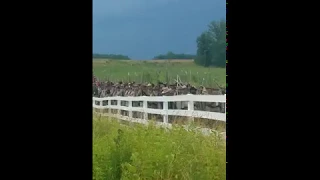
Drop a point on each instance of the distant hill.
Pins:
(171, 55)
(110, 56)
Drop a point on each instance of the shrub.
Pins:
(148, 152)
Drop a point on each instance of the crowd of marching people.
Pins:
(107, 89)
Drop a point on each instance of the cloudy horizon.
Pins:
(142, 29)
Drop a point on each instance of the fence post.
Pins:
(165, 109)
(119, 105)
(130, 109)
(191, 109)
(145, 106)
(93, 101)
(101, 106)
(225, 104)
(93, 104)
(107, 108)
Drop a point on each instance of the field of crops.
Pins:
(141, 152)
(159, 70)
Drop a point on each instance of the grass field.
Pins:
(141, 152)
(154, 70)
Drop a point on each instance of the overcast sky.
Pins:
(143, 29)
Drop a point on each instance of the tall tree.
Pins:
(212, 45)
(217, 32)
(204, 52)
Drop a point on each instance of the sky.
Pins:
(142, 29)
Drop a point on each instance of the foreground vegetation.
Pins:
(159, 70)
(140, 152)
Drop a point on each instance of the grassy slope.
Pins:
(156, 70)
(151, 153)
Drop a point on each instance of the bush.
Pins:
(148, 152)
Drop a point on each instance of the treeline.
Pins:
(211, 45)
(171, 55)
(110, 56)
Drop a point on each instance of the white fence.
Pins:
(190, 112)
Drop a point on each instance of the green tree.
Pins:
(204, 51)
(217, 32)
(110, 56)
(171, 55)
(212, 45)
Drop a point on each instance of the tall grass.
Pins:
(145, 71)
(147, 152)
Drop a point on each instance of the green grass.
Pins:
(141, 152)
(163, 70)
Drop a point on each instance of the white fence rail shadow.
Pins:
(98, 103)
